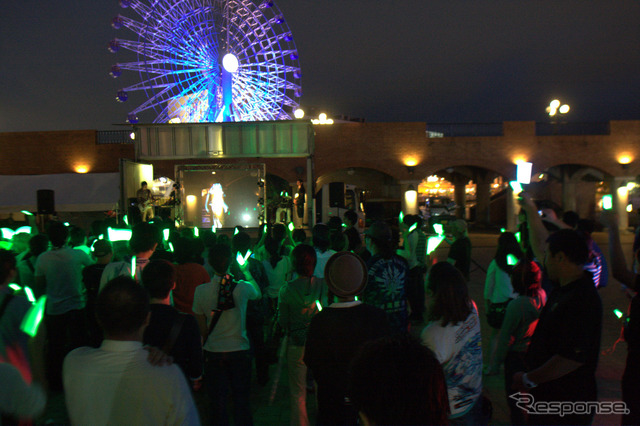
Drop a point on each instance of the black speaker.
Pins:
(46, 202)
(336, 194)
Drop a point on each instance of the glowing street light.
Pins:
(322, 119)
(555, 107)
(298, 113)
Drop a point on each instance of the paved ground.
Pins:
(274, 410)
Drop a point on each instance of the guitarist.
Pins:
(145, 202)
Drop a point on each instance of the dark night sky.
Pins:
(394, 60)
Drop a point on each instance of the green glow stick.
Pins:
(165, 234)
(15, 287)
(26, 212)
(344, 225)
(66, 224)
(30, 295)
(607, 202)
(618, 313)
(236, 231)
(33, 317)
(512, 260)
(243, 259)
(23, 229)
(318, 305)
(400, 217)
(171, 247)
(438, 228)
(7, 233)
(125, 219)
(413, 227)
(101, 237)
(517, 188)
(291, 227)
(433, 243)
(517, 234)
(118, 234)
(196, 232)
(502, 230)
(133, 267)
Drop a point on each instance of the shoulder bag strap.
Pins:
(218, 312)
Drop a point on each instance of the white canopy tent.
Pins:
(73, 192)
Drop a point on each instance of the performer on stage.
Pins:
(175, 200)
(298, 200)
(215, 205)
(145, 202)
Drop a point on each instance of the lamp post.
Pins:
(555, 108)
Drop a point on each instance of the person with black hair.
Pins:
(257, 310)
(189, 273)
(351, 220)
(20, 398)
(102, 252)
(220, 307)
(498, 291)
(397, 381)
(563, 354)
(78, 239)
(631, 321)
(297, 304)
(460, 250)
(337, 333)
(299, 199)
(145, 238)
(453, 334)
(38, 244)
(299, 236)
(321, 240)
(176, 333)
(116, 383)
(145, 202)
(414, 251)
(387, 277)
(517, 328)
(59, 273)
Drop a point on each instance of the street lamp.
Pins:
(555, 107)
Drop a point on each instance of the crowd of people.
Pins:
(133, 328)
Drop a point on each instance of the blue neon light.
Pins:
(180, 45)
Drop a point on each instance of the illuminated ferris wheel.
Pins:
(209, 60)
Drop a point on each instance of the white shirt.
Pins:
(321, 262)
(497, 285)
(122, 268)
(458, 348)
(116, 385)
(62, 269)
(277, 276)
(230, 334)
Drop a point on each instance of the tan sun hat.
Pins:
(345, 274)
